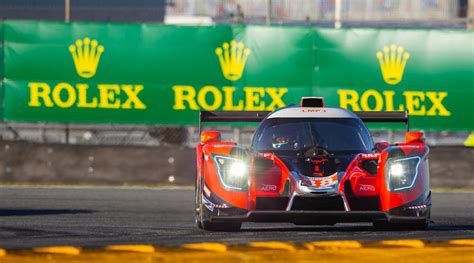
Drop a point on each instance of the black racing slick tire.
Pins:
(197, 198)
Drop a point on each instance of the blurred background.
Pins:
(160, 153)
(328, 13)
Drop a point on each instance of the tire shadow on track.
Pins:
(39, 212)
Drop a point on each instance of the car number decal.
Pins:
(323, 182)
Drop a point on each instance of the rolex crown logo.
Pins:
(392, 63)
(232, 59)
(86, 56)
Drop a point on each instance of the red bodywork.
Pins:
(363, 186)
(270, 182)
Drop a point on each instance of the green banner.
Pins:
(430, 73)
(160, 74)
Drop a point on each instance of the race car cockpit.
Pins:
(335, 135)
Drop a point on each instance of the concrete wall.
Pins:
(450, 167)
(59, 163)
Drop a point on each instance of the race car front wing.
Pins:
(318, 216)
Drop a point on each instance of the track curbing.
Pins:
(131, 248)
(314, 246)
(65, 250)
(462, 242)
(409, 243)
(342, 244)
(207, 246)
(273, 245)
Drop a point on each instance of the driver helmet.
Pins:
(281, 138)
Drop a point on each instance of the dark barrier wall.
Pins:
(2, 69)
(160, 74)
(85, 10)
(86, 164)
(117, 165)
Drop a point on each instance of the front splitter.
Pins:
(317, 216)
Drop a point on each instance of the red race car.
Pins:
(311, 165)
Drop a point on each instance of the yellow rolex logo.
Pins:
(232, 59)
(392, 63)
(86, 56)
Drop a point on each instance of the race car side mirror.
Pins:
(210, 136)
(414, 137)
(380, 146)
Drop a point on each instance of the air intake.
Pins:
(312, 102)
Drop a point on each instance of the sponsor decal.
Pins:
(268, 187)
(232, 58)
(86, 55)
(323, 160)
(323, 182)
(366, 188)
(370, 155)
(393, 60)
(319, 167)
(187, 97)
(313, 110)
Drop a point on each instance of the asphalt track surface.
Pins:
(93, 217)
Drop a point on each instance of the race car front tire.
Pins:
(197, 217)
(202, 215)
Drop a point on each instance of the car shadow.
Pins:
(442, 227)
(364, 228)
(41, 212)
(310, 229)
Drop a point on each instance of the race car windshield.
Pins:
(331, 134)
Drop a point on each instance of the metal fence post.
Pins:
(470, 15)
(268, 16)
(337, 13)
(67, 11)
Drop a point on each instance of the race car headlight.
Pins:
(402, 173)
(232, 172)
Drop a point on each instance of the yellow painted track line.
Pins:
(65, 250)
(216, 247)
